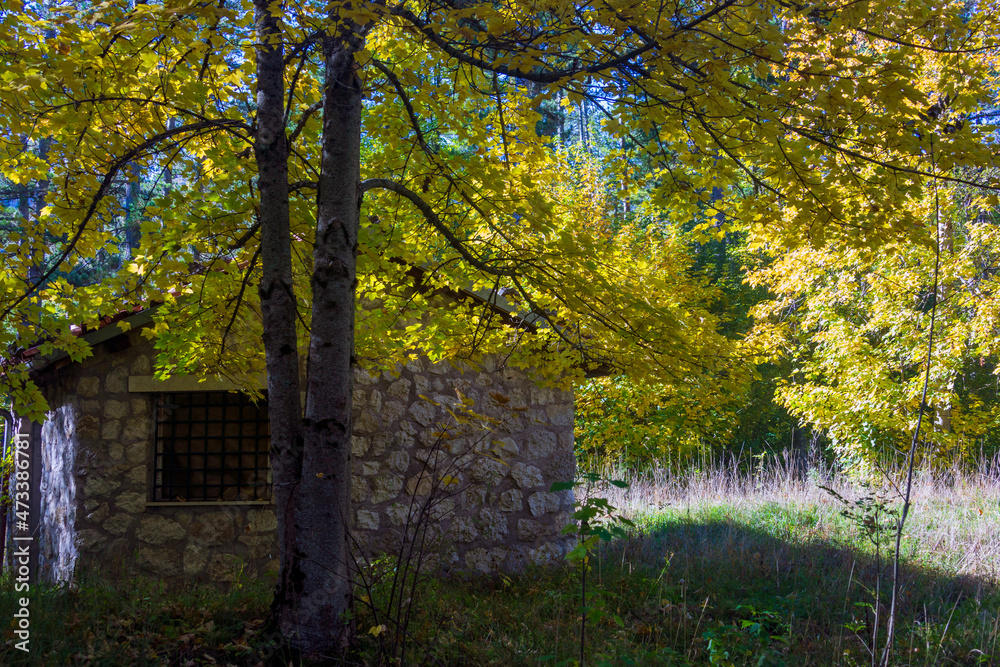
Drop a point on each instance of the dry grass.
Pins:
(954, 521)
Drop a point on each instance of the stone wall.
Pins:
(482, 495)
(484, 487)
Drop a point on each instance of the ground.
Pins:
(721, 569)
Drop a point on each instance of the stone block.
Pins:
(540, 444)
(493, 524)
(463, 529)
(99, 514)
(473, 497)
(363, 377)
(488, 471)
(130, 501)
(111, 429)
(137, 475)
(259, 546)
(358, 400)
(513, 375)
(161, 562)
(90, 406)
(526, 476)
(423, 412)
(141, 366)
(158, 530)
(98, 487)
(116, 381)
(511, 501)
(366, 423)
(116, 451)
(485, 561)
(262, 521)
(136, 451)
(441, 508)
(359, 445)
(505, 448)
(370, 468)
(213, 529)
(419, 485)
(139, 407)
(397, 513)
(367, 520)
(380, 443)
(359, 489)
(119, 524)
(432, 457)
(562, 466)
(400, 389)
(90, 540)
(441, 367)
(560, 414)
(89, 386)
(531, 530)
(136, 428)
(88, 427)
(194, 560)
(542, 395)
(398, 461)
(375, 401)
(118, 553)
(547, 554)
(391, 411)
(565, 437)
(543, 503)
(386, 487)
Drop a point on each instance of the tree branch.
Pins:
(435, 221)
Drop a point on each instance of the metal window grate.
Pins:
(211, 446)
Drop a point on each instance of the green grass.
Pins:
(764, 585)
(767, 573)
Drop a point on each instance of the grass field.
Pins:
(723, 568)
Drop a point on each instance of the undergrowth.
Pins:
(771, 573)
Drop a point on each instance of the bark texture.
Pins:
(278, 309)
(310, 454)
(322, 509)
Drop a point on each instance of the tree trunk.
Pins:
(278, 311)
(310, 455)
(322, 509)
(946, 239)
(131, 232)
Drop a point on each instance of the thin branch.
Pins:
(550, 76)
(435, 221)
(910, 457)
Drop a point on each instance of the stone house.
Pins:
(170, 479)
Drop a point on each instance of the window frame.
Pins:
(165, 492)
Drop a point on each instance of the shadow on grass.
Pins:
(764, 589)
(814, 600)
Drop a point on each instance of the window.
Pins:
(211, 446)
